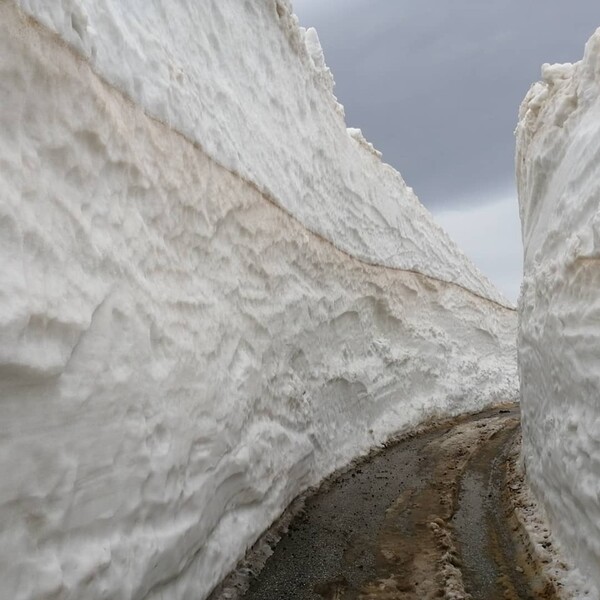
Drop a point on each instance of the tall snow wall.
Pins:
(212, 294)
(558, 171)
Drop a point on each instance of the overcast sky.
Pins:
(436, 86)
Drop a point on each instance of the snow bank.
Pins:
(241, 79)
(558, 168)
(196, 318)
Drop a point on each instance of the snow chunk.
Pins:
(357, 134)
(314, 49)
(556, 72)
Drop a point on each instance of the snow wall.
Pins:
(212, 293)
(558, 170)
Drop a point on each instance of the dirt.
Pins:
(426, 518)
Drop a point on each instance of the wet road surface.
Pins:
(425, 518)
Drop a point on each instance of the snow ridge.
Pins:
(558, 150)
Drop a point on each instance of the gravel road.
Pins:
(424, 518)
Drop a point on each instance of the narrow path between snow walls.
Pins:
(180, 354)
(429, 516)
(558, 170)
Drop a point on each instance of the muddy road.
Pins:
(425, 518)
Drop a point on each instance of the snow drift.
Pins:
(212, 294)
(558, 167)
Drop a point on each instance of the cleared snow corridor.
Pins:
(426, 517)
(214, 295)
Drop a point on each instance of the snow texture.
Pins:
(203, 307)
(558, 163)
(552, 562)
(241, 79)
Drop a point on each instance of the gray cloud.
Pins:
(436, 85)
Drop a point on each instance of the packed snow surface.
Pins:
(212, 294)
(558, 168)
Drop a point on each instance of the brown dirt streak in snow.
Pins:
(83, 60)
